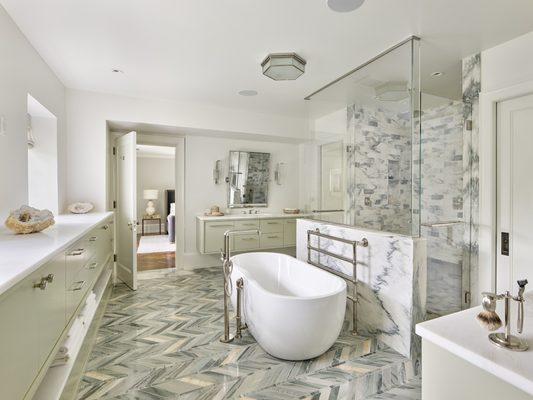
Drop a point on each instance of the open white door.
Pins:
(515, 192)
(126, 208)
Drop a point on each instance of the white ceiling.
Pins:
(206, 51)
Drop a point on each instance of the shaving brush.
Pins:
(488, 318)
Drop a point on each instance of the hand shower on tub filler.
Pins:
(490, 319)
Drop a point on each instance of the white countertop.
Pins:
(235, 217)
(461, 334)
(20, 255)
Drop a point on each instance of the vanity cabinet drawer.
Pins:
(246, 242)
(271, 240)
(214, 235)
(289, 232)
(271, 225)
(247, 224)
(33, 319)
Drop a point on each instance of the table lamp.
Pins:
(150, 195)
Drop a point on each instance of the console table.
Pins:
(151, 218)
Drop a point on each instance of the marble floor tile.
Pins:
(162, 342)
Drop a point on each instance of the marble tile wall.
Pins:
(379, 169)
(391, 275)
(442, 201)
(471, 89)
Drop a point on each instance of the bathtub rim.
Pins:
(253, 282)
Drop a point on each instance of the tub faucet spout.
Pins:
(227, 268)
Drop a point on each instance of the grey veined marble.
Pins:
(391, 275)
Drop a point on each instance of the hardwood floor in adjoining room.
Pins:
(152, 261)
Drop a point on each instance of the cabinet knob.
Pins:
(44, 282)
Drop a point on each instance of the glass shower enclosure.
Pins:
(390, 158)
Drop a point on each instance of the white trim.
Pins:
(487, 179)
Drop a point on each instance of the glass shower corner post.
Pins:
(416, 138)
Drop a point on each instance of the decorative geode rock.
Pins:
(80, 208)
(29, 220)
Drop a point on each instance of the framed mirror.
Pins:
(249, 173)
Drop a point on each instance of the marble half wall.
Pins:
(391, 275)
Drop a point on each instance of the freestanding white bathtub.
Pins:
(295, 311)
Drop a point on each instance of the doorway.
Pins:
(514, 192)
(126, 194)
(156, 208)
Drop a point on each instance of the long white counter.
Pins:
(237, 217)
(20, 255)
(461, 335)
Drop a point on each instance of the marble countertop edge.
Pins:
(514, 378)
(27, 264)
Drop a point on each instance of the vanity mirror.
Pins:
(249, 173)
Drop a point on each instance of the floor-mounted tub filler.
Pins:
(294, 311)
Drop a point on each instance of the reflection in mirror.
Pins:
(249, 173)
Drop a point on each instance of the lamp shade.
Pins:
(150, 194)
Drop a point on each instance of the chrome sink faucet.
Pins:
(227, 268)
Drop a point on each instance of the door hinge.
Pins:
(114, 151)
(114, 204)
(114, 257)
(468, 297)
(505, 243)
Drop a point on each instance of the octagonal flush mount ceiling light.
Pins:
(392, 91)
(344, 5)
(283, 66)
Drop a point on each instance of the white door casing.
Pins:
(126, 208)
(514, 197)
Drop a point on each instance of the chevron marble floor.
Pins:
(161, 342)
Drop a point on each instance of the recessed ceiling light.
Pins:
(248, 93)
(437, 74)
(117, 71)
(345, 5)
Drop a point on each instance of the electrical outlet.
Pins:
(3, 126)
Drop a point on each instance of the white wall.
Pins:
(88, 113)
(42, 165)
(202, 193)
(154, 173)
(22, 71)
(508, 64)
(507, 72)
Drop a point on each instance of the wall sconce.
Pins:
(216, 172)
(279, 173)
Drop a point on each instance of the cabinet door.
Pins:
(289, 232)
(271, 225)
(271, 240)
(214, 236)
(246, 242)
(32, 321)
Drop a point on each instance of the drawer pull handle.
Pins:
(248, 239)
(105, 227)
(273, 237)
(273, 223)
(78, 285)
(93, 239)
(221, 226)
(92, 265)
(77, 252)
(44, 282)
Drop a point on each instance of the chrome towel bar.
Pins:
(351, 260)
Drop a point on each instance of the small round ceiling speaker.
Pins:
(345, 5)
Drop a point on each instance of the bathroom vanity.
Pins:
(277, 231)
(459, 361)
(44, 280)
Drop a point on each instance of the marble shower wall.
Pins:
(442, 201)
(391, 275)
(379, 169)
(471, 89)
